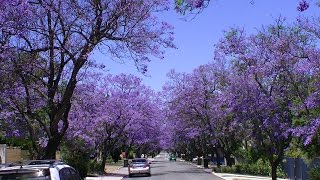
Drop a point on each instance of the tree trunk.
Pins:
(229, 160)
(105, 154)
(274, 170)
(217, 156)
(103, 162)
(274, 162)
(138, 153)
(127, 150)
(51, 149)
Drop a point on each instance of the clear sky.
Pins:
(195, 38)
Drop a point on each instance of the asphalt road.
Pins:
(163, 169)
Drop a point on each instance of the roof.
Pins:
(32, 164)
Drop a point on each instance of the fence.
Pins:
(297, 168)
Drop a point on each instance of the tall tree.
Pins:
(269, 89)
(119, 113)
(196, 6)
(61, 35)
(196, 101)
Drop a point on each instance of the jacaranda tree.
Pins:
(196, 101)
(119, 113)
(60, 36)
(196, 6)
(270, 86)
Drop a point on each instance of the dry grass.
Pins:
(111, 168)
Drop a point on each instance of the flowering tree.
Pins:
(270, 85)
(262, 87)
(183, 6)
(197, 102)
(307, 91)
(60, 36)
(18, 74)
(196, 6)
(118, 113)
(14, 16)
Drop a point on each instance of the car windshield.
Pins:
(34, 175)
(139, 161)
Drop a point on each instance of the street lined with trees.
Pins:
(48, 50)
(258, 100)
(261, 92)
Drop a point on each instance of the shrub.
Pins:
(78, 160)
(94, 167)
(109, 160)
(314, 173)
(260, 168)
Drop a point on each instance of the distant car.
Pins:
(39, 170)
(172, 157)
(139, 166)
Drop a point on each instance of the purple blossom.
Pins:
(43, 141)
(303, 5)
(198, 3)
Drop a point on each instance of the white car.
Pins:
(39, 170)
(139, 166)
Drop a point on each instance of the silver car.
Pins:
(38, 170)
(139, 166)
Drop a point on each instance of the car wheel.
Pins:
(130, 175)
(149, 174)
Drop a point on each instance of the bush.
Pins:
(260, 168)
(76, 157)
(314, 173)
(109, 160)
(78, 160)
(94, 167)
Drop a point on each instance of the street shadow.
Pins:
(156, 162)
(158, 166)
(137, 176)
(143, 175)
(191, 171)
(158, 174)
(115, 175)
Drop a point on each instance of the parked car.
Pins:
(172, 157)
(39, 170)
(139, 166)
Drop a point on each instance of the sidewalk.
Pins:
(242, 177)
(113, 173)
(227, 176)
(111, 168)
(208, 170)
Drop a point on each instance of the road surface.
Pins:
(163, 169)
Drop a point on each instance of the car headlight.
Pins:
(40, 173)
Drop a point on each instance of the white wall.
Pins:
(3, 153)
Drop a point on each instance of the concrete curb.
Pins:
(228, 176)
(193, 164)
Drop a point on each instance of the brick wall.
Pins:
(25, 155)
(13, 154)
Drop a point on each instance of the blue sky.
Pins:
(195, 39)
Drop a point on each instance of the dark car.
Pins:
(172, 157)
(39, 170)
(139, 166)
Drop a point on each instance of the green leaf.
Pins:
(179, 2)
